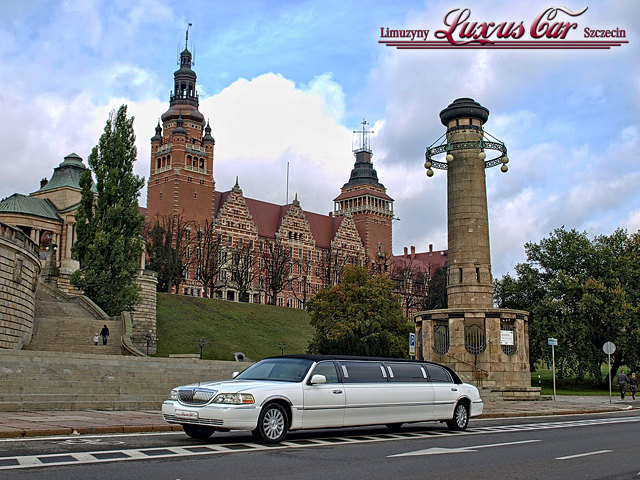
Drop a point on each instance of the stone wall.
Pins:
(144, 315)
(491, 368)
(19, 271)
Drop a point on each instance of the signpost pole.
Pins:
(553, 359)
(609, 361)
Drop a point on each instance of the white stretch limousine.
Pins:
(296, 392)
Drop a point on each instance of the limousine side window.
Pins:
(406, 372)
(363, 372)
(328, 369)
(438, 374)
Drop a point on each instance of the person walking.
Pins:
(104, 333)
(633, 385)
(96, 339)
(622, 383)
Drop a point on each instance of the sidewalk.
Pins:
(42, 423)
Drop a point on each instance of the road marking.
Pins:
(568, 457)
(441, 450)
(236, 445)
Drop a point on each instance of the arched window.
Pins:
(188, 160)
(168, 160)
(202, 163)
(183, 89)
(158, 166)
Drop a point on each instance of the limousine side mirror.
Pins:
(318, 379)
(235, 374)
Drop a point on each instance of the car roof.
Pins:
(318, 358)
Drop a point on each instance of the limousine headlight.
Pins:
(174, 394)
(234, 398)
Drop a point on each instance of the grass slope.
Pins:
(228, 327)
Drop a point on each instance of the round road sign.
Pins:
(609, 348)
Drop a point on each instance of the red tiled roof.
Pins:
(362, 191)
(266, 216)
(323, 227)
(436, 258)
(143, 211)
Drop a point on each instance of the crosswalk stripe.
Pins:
(77, 458)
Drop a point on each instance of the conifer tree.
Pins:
(109, 222)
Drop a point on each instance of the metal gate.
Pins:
(475, 339)
(441, 337)
(508, 325)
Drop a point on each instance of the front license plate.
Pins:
(186, 414)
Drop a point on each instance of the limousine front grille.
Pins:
(201, 421)
(196, 397)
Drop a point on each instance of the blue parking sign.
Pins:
(412, 344)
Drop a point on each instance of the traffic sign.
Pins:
(412, 344)
(553, 341)
(609, 348)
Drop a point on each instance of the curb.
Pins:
(553, 412)
(46, 432)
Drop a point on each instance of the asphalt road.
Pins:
(589, 447)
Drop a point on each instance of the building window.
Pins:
(160, 195)
(195, 194)
(230, 240)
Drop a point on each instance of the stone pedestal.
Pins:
(144, 315)
(67, 267)
(469, 341)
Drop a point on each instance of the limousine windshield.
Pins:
(277, 370)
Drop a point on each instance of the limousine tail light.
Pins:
(234, 398)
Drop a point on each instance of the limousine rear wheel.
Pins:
(273, 424)
(198, 431)
(460, 418)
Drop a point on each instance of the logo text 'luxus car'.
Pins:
(296, 392)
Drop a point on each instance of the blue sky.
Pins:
(288, 81)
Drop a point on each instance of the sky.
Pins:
(290, 81)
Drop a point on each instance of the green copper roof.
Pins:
(67, 174)
(39, 207)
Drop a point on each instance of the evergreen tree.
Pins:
(359, 316)
(109, 223)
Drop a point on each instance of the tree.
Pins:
(411, 281)
(109, 223)
(275, 268)
(209, 257)
(243, 269)
(359, 316)
(170, 243)
(436, 297)
(584, 292)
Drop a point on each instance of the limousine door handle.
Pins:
(337, 392)
(454, 389)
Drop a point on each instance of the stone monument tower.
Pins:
(486, 345)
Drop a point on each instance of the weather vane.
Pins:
(186, 42)
(364, 137)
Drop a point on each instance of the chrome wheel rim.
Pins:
(461, 416)
(273, 423)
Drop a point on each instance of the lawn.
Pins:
(570, 386)
(228, 327)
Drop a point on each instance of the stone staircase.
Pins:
(68, 324)
(497, 394)
(47, 380)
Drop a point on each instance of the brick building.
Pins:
(181, 183)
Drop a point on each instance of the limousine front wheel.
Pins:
(460, 418)
(272, 424)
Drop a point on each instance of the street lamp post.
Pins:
(282, 346)
(202, 342)
(147, 337)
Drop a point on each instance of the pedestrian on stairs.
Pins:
(96, 339)
(104, 333)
